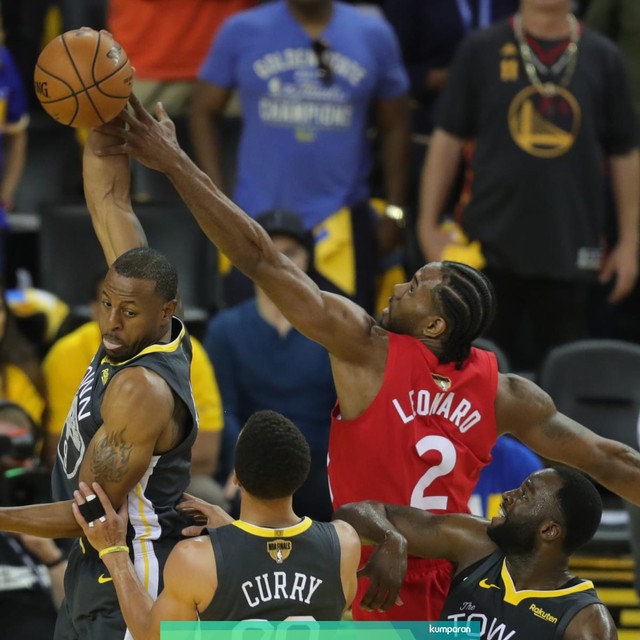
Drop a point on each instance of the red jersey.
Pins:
(422, 442)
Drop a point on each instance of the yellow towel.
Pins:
(334, 254)
(460, 249)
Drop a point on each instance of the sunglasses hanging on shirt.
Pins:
(322, 53)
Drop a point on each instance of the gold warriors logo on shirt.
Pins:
(279, 550)
(104, 376)
(545, 126)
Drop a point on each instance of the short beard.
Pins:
(513, 539)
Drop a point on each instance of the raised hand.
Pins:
(150, 140)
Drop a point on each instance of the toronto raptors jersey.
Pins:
(485, 593)
(421, 442)
(425, 437)
(273, 574)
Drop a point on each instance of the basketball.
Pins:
(83, 78)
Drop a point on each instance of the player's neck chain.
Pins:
(565, 64)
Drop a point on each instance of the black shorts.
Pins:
(90, 610)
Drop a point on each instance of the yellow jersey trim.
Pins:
(266, 532)
(168, 347)
(515, 597)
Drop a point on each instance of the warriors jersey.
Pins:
(275, 574)
(152, 513)
(421, 442)
(485, 593)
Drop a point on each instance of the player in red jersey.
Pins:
(418, 408)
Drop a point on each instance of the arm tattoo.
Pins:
(111, 457)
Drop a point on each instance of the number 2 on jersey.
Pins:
(448, 453)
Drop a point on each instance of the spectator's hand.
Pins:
(108, 531)
(622, 263)
(205, 514)
(385, 569)
(433, 242)
(389, 236)
(43, 548)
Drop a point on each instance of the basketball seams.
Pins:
(108, 77)
(73, 62)
(95, 59)
(84, 87)
(72, 93)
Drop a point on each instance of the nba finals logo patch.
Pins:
(104, 376)
(443, 382)
(279, 550)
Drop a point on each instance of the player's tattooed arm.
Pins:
(111, 456)
(137, 413)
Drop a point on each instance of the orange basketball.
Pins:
(83, 78)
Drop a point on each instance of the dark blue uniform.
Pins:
(275, 574)
(485, 592)
(91, 610)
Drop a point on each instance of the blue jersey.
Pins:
(304, 145)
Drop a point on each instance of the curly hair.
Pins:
(272, 456)
(468, 303)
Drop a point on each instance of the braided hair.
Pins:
(468, 304)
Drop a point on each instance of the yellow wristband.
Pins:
(107, 550)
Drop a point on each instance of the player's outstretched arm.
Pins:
(349, 559)
(50, 520)
(526, 411)
(107, 182)
(397, 530)
(333, 321)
